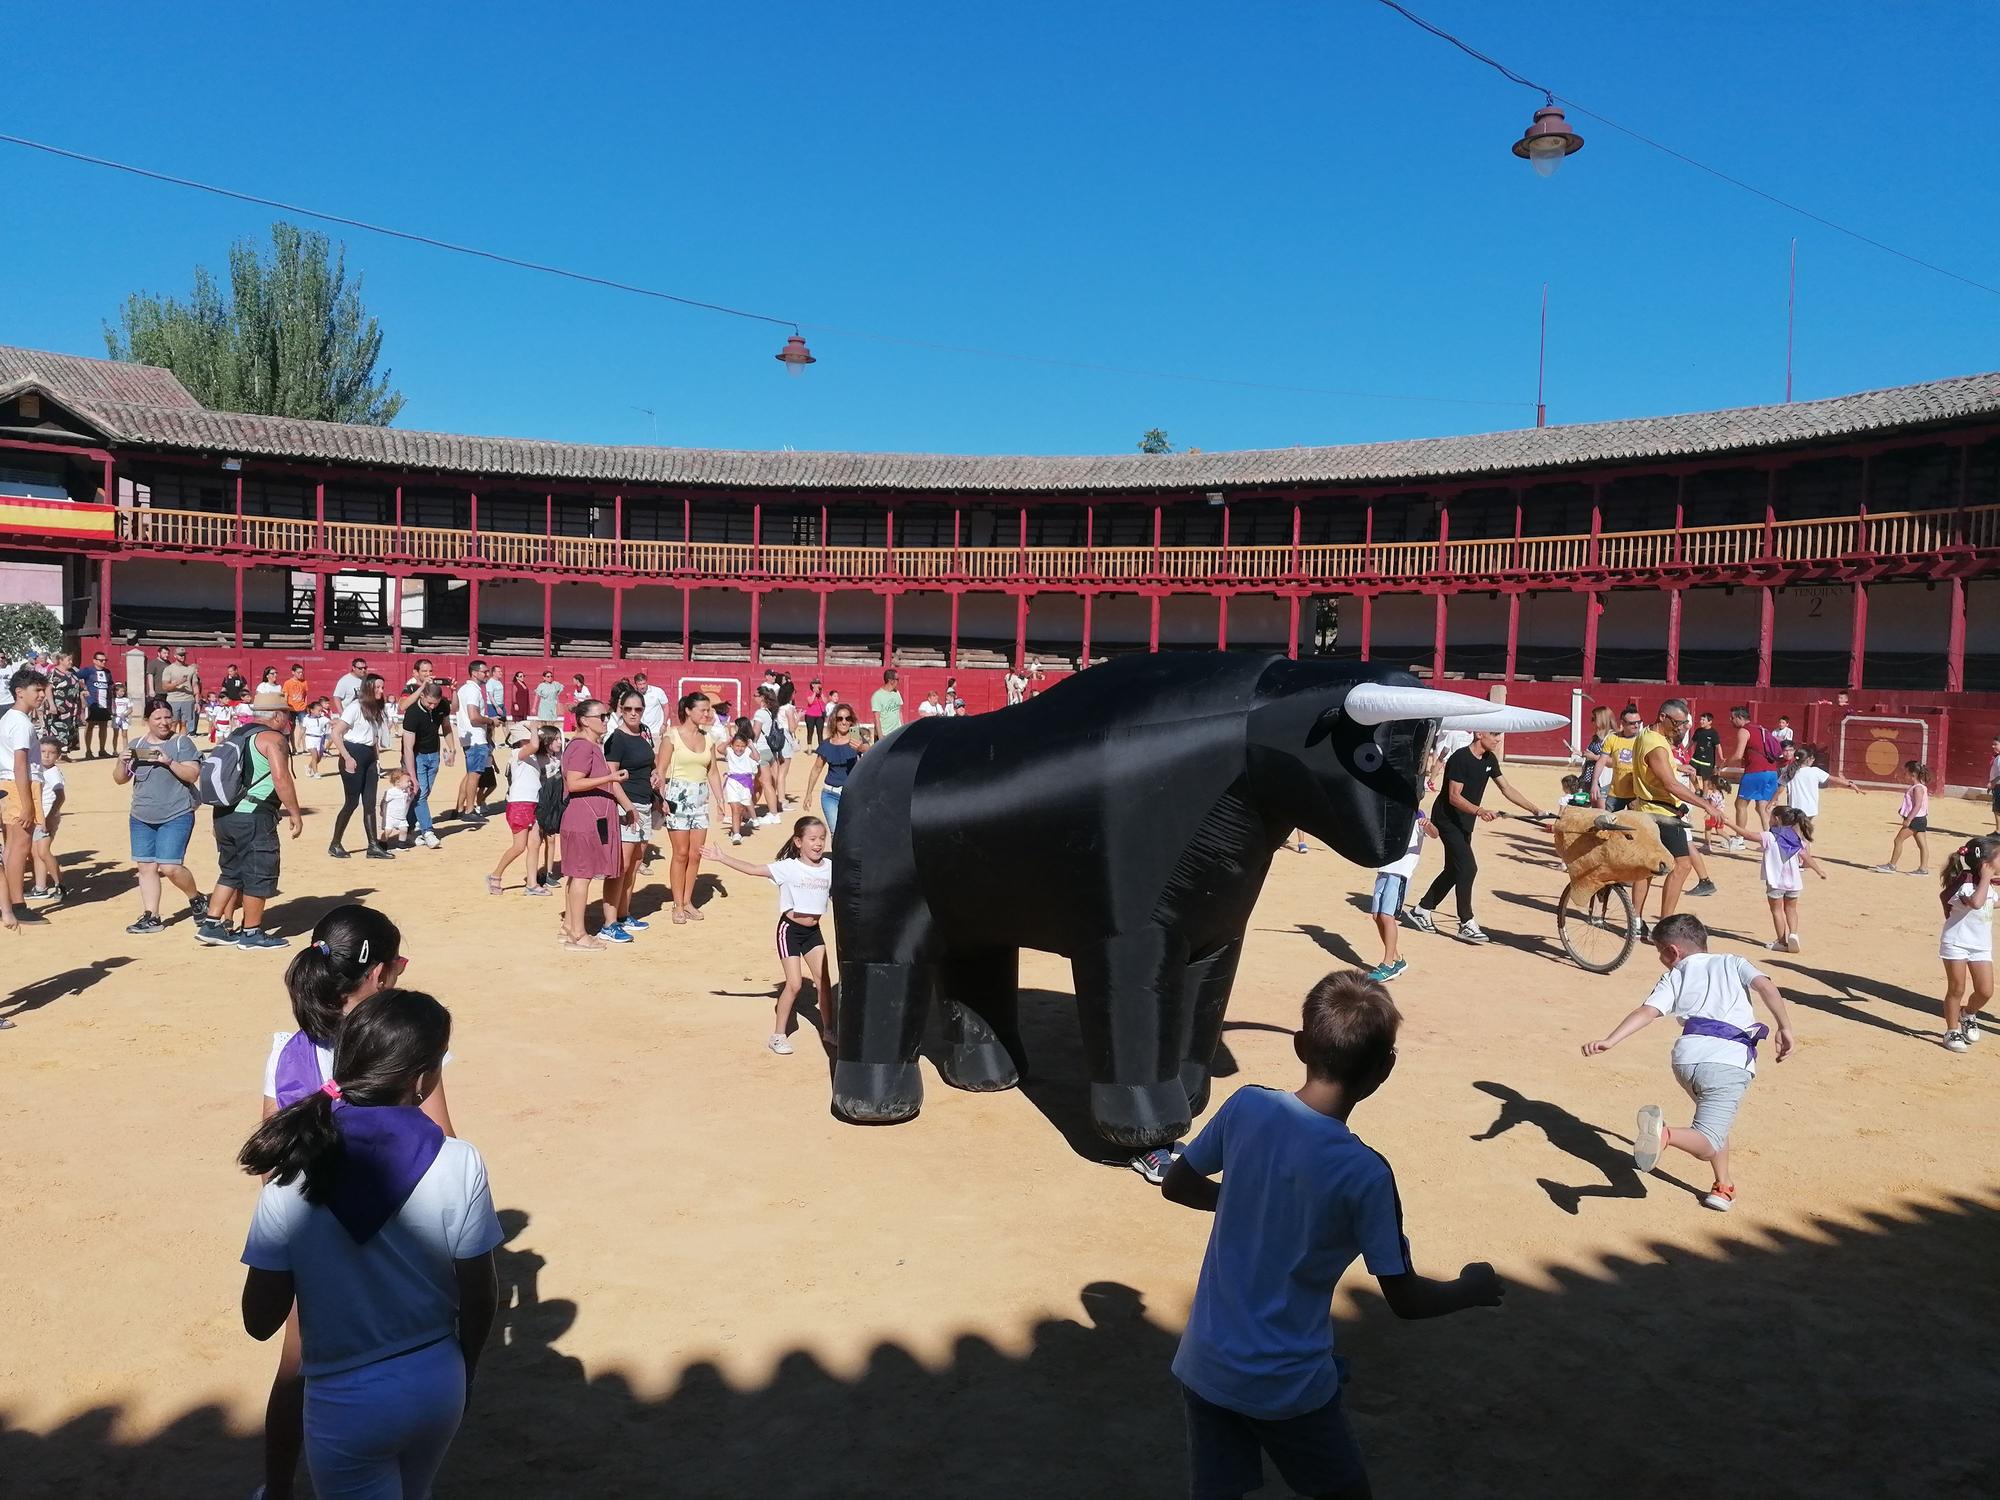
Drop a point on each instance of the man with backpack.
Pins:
(246, 779)
(1759, 753)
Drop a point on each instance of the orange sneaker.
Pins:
(1719, 1197)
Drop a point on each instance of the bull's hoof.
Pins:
(1194, 1080)
(877, 1093)
(983, 1068)
(1140, 1116)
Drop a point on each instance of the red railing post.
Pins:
(888, 556)
(400, 546)
(756, 536)
(1367, 556)
(1444, 540)
(1596, 529)
(473, 545)
(1680, 517)
(618, 529)
(1021, 547)
(1517, 554)
(1226, 570)
(549, 530)
(1298, 567)
(236, 533)
(319, 516)
(1089, 556)
(1674, 635)
(1156, 572)
(1770, 518)
(1088, 598)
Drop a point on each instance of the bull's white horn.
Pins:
(1505, 720)
(1386, 702)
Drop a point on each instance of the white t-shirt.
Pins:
(17, 732)
(362, 730)
(1993, 772)
(1449, 741)
(1804, 788)
(929, 709)
(314, 726)
(51, 778)
(471, 699)
(395, 1292)
(1780, 874)
(1782, 734)
(655, 716)
(525, 778)
(1716, 985)
(347, 689)
(1407, 865)
(395, 808)
(1968, 929)
(803, 888)
(1016, 686)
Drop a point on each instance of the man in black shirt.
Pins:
(234, 688)
(1706, 741)
(426, 745)
(1466, 775)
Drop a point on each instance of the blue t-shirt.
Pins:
(1301, 1198)
(839, 760)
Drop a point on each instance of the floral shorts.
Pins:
(686, 805)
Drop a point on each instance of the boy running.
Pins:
(1301, 1197)
(1716, 1055)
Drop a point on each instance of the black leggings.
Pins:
(1461, 868)
(814, 723)
(359, 785)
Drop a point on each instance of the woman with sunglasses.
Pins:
(355, 951)
(693, 785)
(833, 759)
(630, 749)
(597, 803)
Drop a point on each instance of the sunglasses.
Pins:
(600, 714)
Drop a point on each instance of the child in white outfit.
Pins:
(1969, 894)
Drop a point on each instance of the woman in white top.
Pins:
(1970, 891)
(804, 877)
(366, 731)
(379, 1228)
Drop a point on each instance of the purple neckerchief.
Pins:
(1706, 1026)
(298, 1070)
(1788, 841)
(385, 1150)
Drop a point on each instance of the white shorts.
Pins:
(735, 794)
(392, 829)
(635, 832)
(1965, 954)
(1772, 893)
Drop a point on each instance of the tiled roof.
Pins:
(92, 380)
(182, 424)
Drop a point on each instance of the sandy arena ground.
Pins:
(712, 1288)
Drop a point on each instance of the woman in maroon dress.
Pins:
(590, 823)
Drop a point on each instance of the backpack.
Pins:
(225, 770)
(551, 801)
(774, 737)
(1774, 748)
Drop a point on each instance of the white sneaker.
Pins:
(1470, 932)
(1954, 1041)
(1419, 919)
(1736, 845)
(735, 838)
(779, 1045)
(429, 840)
(1969, 1024)
(1791, 942)
(1647, 1138)
(1718, 1200)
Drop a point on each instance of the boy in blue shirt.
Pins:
(1301, 1197)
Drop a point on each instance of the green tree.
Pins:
(1155, 441)
(290, 340)
(27, 627)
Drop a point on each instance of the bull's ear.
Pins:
(1322, 727)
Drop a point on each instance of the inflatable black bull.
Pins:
(1126, 819)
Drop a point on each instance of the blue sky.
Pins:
(1306, 194)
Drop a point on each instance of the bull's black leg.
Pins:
(881, 1023)
(982, 1038)
(1132, 1002)
(1209, 980)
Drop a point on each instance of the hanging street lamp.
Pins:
(1544, 144)
(795, 356)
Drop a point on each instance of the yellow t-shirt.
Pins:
(1619, 748)
(1648, 796)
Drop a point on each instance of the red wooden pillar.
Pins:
(1021, 547)
(1438, 636)
(1367, 623)
(474, 514)
(1222, 622)
(1770, 524)
(399, 515)
(618, 530)
(1088, 600)
(319, 610)
(1592, 608)
(1292, 614)
(1444, 543)
(822, 540)
(756, 539)
(1226, 573)
(617, 621)
(1020, 628)
(1767, 614)
(1954, 640)
(1513, 633)
(1674, 599)
(104, 606)
(957, 555)
(236, 535)
(548, 619)
(888, 631)
(1156, 562)
(472, 617)
(1857, 641)
(1297, 568)
(1680, 517)
(1515, 560)
(1089, 557)
(756, 600)
(396, 615)
(1596, 528)
(319, 516)
(822, 628)
(1153, 625)
(238, 571)
(951, 646)
(889, 546)
(687, 622)
(1368, 545)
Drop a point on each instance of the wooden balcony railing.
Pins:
(359, 544)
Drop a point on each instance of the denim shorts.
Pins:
(162, 843)
(1315, 1453)
(1389, 893)
(478, 757)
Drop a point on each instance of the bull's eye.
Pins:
(1367, 757)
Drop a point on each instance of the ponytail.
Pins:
(347, 943)
(1921, 771)
(790, 850)
(1963, 865)
(390, 1041)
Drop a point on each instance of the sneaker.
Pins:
(1152, 1165)
(147, 923)
(37, 893)
(1776, 945)
(213, 934)
(376, 851)
(1884, 869)
(1471, 932)
(1383, 973)
(779, 1045)
(1702, 888)
(251, 939)
(611, 932)
(534, 890)
(1419, 919)
(1648, 1138)
(1920, 870)
(198, 906)
(1735, 845)
(735, 838)
(1791, 942)
(1645, 932)
(429, 840)
(1719, 1197)
(1968, 1025)
(1302, 847)
(334, 851)
(1954, 1041)
(634, 924)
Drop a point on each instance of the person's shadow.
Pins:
(1589, 1144)
(60, 986)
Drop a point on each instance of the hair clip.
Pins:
(331, 1090)
(323, 947)
(364, 952)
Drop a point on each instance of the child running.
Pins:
(739, 781)
(1300, 1198)
(1715, 1057)
(54, 793)
(1915, 813)
(534, 756)
(355, 952)
(1392, 888)
(804, 877)
(379, 1228)
(1971, 891)
(1787, 856)
(399, 787)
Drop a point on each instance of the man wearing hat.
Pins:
(246, 832)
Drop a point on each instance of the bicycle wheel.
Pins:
(1598, 930)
